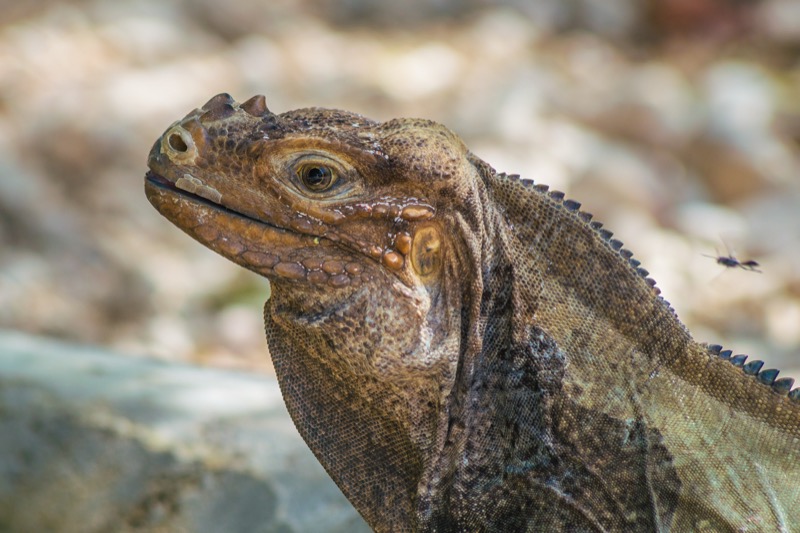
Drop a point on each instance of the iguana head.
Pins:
(334, 209)
(360, 228)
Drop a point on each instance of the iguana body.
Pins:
(465, 351)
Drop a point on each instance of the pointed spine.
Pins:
(738, 360)
(767, 377)
(753, 367)
(783, 385)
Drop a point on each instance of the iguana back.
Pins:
(465, 351)
(718, 441)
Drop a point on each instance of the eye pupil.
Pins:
(317, 178)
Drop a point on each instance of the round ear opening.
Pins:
(426, 252)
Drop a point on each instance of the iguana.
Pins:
(464, 350)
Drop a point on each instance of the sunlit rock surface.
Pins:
(94, 442)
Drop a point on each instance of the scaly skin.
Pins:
(464, 351)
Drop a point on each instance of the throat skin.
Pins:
(351, 402)
(463, 350)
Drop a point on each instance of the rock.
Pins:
(91, 441)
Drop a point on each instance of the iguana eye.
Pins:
(316, 177)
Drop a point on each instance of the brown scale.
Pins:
(392, 260)
(402, 243)
(414, 213)
(290, 270)
(333, 267)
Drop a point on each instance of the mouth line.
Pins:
(159, 181)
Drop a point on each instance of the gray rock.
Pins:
(91, 441)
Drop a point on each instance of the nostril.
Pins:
(177, 143)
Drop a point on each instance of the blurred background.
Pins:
(676, 122)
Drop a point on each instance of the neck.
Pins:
(511, 426)
(384, 395)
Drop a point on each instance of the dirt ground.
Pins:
(676, 122)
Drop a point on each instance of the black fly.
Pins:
(731, 262)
